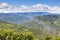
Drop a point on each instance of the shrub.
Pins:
(6, 34)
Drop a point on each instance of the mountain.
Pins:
(46, 23)
(41, 24)
(43, 21)
(20, 17)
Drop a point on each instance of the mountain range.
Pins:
(40, 23)
(20, 17)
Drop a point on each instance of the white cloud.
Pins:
(6, 8)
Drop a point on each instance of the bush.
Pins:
(6, 34)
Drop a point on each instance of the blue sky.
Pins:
(7, 6)
(32, 2)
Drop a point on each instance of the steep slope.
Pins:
(40, 25)
(47, 23)
(52, 20)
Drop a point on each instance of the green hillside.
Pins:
(18, 28)
(45, 27)
(47, 24)
(14, 27)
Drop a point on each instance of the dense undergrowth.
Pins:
(7, 34)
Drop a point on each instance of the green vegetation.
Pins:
(9, 34)
(6, 34)
(40, 28)
(16, 29)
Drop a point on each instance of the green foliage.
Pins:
(6, 34)
(52, 38)
(48, 38)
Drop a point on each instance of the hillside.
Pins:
(19, 28)
(47, 23)
(41, 25)
(40, 34)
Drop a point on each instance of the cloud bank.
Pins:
(6, 8)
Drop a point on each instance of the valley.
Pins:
(40, 24)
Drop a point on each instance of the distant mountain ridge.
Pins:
(20, 17)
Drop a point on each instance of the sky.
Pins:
(7, 6)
